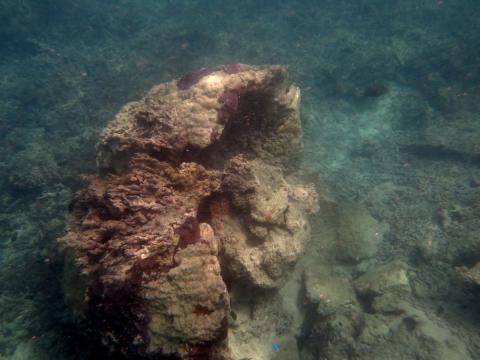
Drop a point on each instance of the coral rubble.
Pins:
(196, 192)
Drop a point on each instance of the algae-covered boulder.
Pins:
(196, 189)
(358, 234)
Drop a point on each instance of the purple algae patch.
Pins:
(229, 100)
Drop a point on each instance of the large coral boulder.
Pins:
(266, 233)
(196, 189)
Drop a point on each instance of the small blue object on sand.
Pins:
(275, 346)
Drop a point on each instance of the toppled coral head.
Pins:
(199, 173)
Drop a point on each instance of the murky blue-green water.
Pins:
(391, 116)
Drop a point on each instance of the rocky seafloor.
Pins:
(390, 94)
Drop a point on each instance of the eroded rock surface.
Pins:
(264, 235)
(373, 318)
(197, 189)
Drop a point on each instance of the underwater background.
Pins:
(391, 117)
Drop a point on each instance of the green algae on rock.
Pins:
(187, 175)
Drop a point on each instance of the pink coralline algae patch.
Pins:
(190, 79)
(229, 100)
